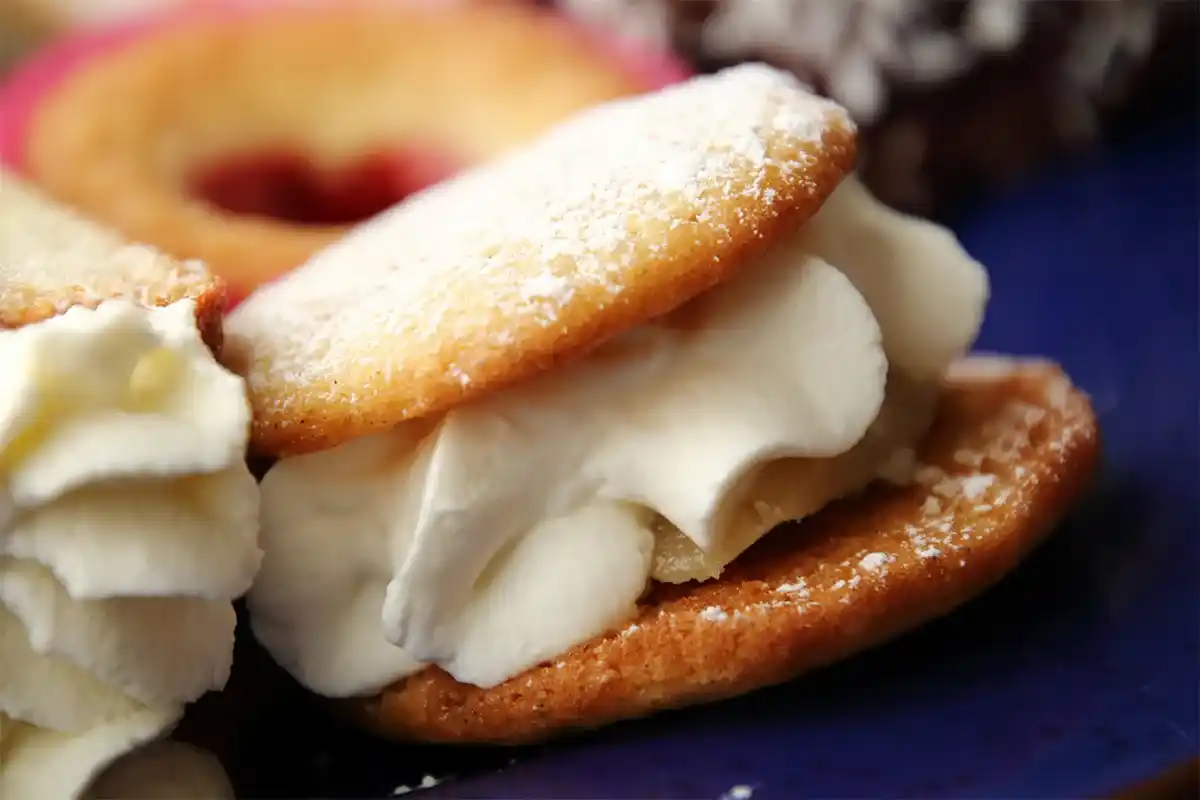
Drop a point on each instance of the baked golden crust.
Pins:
(373, 76)
(615, 217)
(52, 259)
(1013, 447)
(20, 306)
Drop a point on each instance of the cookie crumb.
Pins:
(873, 562)
(800, 588)
(427, 782)
(973, 486)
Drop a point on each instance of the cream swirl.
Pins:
(128, 524)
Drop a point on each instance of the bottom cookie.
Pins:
(1013, 447)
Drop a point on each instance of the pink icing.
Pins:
(39, 75)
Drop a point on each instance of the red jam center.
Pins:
(289, 187)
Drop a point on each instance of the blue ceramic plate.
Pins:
(1076, 676)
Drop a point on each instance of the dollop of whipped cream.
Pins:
(163, 770)
(128, 525)
(118, 760)
(507, 531)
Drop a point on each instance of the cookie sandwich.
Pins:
(542, 431)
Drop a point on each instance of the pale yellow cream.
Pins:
(128, 525)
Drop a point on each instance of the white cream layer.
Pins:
(128, 525)
(117, 760)
(507, 531)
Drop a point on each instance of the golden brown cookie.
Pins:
(615, 217)
(52, 259)
(1013, 446)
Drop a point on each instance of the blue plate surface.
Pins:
(1076, 676)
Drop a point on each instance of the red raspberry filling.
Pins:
(288, 186)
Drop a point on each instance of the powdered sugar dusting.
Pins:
(458, 273)
(994, 478)
(799, 588)
(547, 286)
(875, 562)
(974, 486)
(52, 257)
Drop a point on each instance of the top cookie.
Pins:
(51, 259)
(617, 216)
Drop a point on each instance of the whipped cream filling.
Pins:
(128, 525)
(507, 531)
(47, 764)
(163, 770)
(118, 760)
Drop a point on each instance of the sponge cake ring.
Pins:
(212, 154)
